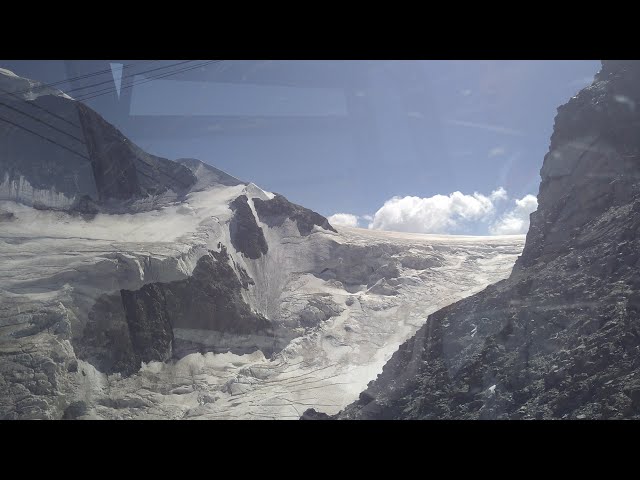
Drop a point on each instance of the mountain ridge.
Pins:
(139, 287)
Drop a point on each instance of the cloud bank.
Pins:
(517, 219)
(344, 219)
(456, 213)
(452, 213)
(498, 194)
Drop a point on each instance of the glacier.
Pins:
(134, 286)
(55, 260)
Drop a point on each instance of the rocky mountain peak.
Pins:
(63, 155)
(25, 88)
(593, 161)
(184, 292)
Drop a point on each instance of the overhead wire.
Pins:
(146, 80)
(68, 80)
(39, 107)
(42, 121)
(43, 137)
(91, 94)
(79, 77)
(84, 87)
(76, 138)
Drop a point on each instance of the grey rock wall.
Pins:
(560, 338)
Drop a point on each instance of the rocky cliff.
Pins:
(560, 338)
(60, 154)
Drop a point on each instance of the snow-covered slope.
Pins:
(208, 175)
(12, 84)
(336, 328)
(222, 301)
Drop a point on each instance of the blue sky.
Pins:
(348, 136)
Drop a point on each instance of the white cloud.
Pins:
(449, 214)
(344, 219)
(496, 152)
(516, 220)
(415, 114)
(498, 194)
(454, 213)
(466, 92)
(437, 214)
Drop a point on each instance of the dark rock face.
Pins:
(75, 410)
(311, 414)
(592, 164)
(274, 212)
(122, 170)
(211, 299)
(244, 277)
(59, 168)
(91, 160)
(561, 337)
(319, 309)
(106, 340)
(6, 216)
(138, 326)
(85, 205)
(208, 175)
(114, 171)
(149, 322)
(247, 236)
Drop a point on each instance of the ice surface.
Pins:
(317, 287)
(20, 189)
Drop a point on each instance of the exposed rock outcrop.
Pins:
(64, 152)
(274, 212)
(246, 235)
(382, 287)
(560, 338)
(138, 326)
(122, 170)
(6, 216)
(208, 175)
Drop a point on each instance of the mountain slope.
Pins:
(146, 288)
(560, 338)
(208, 175)
(86, 164)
